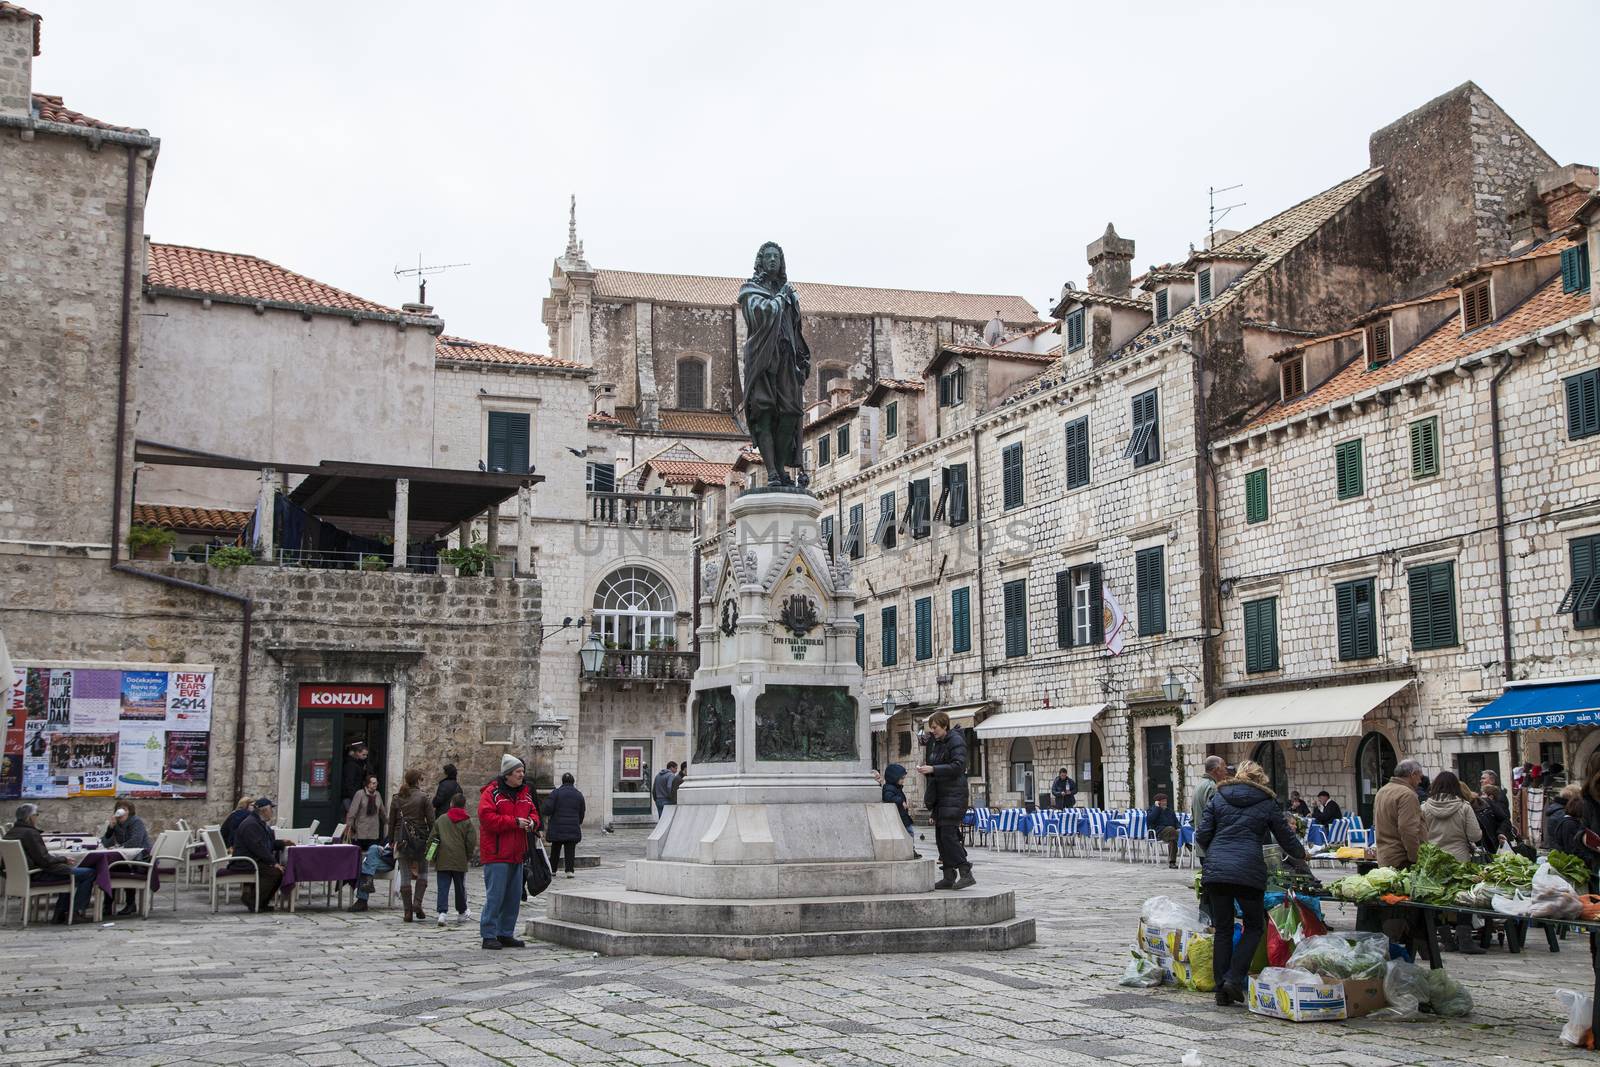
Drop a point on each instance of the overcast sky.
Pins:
(976, 147)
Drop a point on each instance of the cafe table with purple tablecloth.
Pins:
(318, 863)
(100, 861)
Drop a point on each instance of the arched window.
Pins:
(634, 606)
(1270, 755)
(1375, 761)
(1022, 767)
(691, 383)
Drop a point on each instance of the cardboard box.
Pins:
(1324, 1000)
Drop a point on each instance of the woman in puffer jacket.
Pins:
(1232, 830)
(1453, 825)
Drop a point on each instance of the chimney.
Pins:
(1562, 191)
(1218, 237)
(19, 43)
(605, 399)
(839, 393)
(1110, 261)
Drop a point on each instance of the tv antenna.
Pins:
(422, 274)
(1218, 214)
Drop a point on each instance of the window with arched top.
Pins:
(633, 607)
(691, 383)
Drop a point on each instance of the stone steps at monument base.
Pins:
(625, 911)
(774, 881)
(993, 937)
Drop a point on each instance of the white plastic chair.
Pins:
(17, 883)
(338, 833)
(217, 868)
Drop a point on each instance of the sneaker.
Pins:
(463, 916)
(493, 942)
(442, 919)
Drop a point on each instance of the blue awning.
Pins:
(1539, 707)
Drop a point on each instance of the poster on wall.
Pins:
(84, 765)
(96, 701)
(144, 696)
(87, 730)
(632, 763)
(187, 763)
(141, 754)
(189, 701)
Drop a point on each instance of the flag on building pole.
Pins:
(1112, 619)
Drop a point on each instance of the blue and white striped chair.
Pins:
(1357, 834)
(983, 825)
(1187, 855)
(1007, 824)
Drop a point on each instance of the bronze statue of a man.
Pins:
(776, 365)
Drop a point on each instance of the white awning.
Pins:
(1330, 711)
(1041, 722)
(880, 722)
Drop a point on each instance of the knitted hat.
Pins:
(508, 763)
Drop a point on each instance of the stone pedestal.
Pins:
(780, 843)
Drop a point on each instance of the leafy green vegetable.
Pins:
(1571, 868)
(1438, 877)
(1510, 869)
(1383, 879)
(1353, 887)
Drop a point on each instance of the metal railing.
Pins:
(648, 510)
(320, 559)
(645, 665)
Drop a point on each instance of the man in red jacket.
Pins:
(507, 816)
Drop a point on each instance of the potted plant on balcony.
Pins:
(150, 542)
(669, 643)
(374, 563)
(230, 556)
(469, 562)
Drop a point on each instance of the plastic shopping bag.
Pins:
(1580, 1009)
(1141, 972)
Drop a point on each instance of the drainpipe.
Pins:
(1506, 652)
(975, 503)
(124, 358)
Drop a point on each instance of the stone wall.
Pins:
(458, 653)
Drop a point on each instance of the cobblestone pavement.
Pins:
(329, 988)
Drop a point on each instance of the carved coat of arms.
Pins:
(799, 614)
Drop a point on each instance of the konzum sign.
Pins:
(344, 697)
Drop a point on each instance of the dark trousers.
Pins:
(1230, 966)
(270, 878)
(446, 879)
(1170, 835)
(556, 848)
(952, 853)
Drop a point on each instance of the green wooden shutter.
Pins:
(824, 450)
(499, 435)
(891, 640)
(1347, 468)
(1097, 606)
(891, 420)
(1575, 269)
(1077, 453)
(1433, 605)
(825, 530)
(1425, 448)
(508, 442)
(1255, 496)
(1203, 285)
(1261, 635)
(1583, 404)
(1152, 592)
(861, 641)
(1365, 618)
(1075, 330)
(958, 494)
(1011, 475)
(961, 620)
(1016, 616)
(923, 610)
(1063, 609)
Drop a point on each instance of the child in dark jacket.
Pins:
(893, 775)
(452, 845)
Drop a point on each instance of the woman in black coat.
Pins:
(945, 768)
(1232, 830)
(448, 787)
(564, 809)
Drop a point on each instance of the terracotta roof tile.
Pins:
(815, 297)
(462, 350)
(902, 385)
(688, 423)
(1550, 247)
(1089, 296)
(203, 272)
(9, 10)
(1273, 239)
(1446, 344)
(690, 472)
(51, 109)
(597, 419)
(192, 520)
(998, 353)
(834, 414)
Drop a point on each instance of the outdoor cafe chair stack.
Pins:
(17, 883)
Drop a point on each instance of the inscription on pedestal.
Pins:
(806, 722)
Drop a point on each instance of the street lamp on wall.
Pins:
(1172, 686)
(592, 655)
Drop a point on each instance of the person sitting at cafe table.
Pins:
(378, 859)
(125, 830)
(254, 840)
(1163, 822)
(1325, 812)
(230, 825)
(51, 870)
(1064, 791)
(1298, 805)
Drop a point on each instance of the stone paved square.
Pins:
(326, 989)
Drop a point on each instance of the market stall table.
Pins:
(319, 863)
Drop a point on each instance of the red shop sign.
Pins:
(344, 697)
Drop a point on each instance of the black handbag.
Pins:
(536, 873)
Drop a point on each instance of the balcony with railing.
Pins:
(650, 511)
(627, 666)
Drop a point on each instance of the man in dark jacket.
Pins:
(661, 788)
(1325, 812)
(230, 825)
(51, 870)
(448, 787)
(1163, 822)
(564, 810)
(356, 768)
(253, 840)
(945, 768)
(1064, 790)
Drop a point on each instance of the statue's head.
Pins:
(770, 264)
